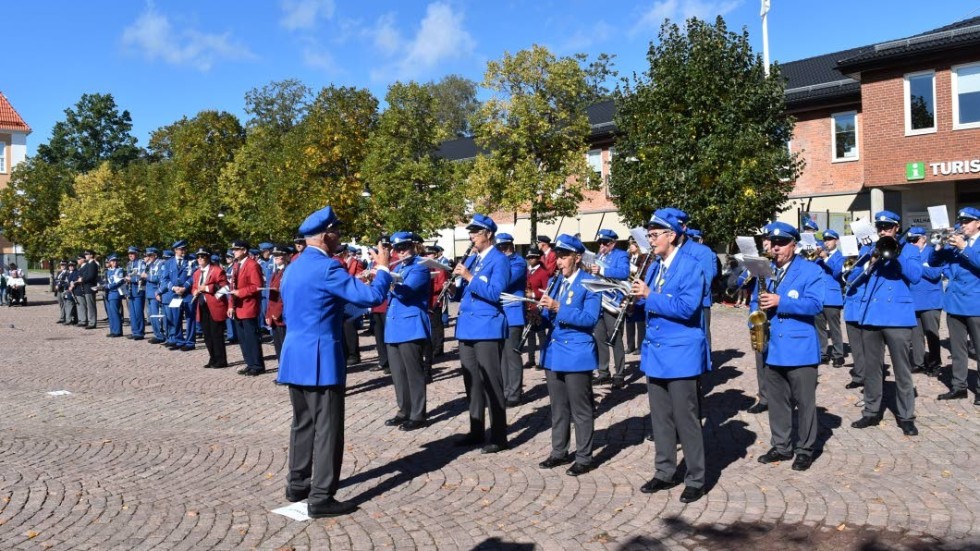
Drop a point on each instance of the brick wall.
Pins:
(887, 149)
(812, 138)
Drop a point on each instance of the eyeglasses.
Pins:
(780, 241)
(881, 227)
(965, 220)
(654, 235)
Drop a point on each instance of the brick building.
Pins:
(892, 125)
(13, 150)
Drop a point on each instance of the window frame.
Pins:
(954, 89)
(907, 101)
(833, 138)
(3, 157)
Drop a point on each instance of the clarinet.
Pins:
(458, 282)
(627, 304)
(529, 326)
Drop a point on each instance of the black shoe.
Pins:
(758, 408)
(330, 508)
(171, 346)
(513, 403)
(602, 380)
(773, 456)
(396, 421)
(113, 336)
(529, 365)
(207, 365)
(976, 399)
(294, 496)
(254, 371)
(631, 351)
(908, 428)
(242, 371)
(802, 462)
(470, 439)
(130, 337)
(579, 469)
(155, 340)
(494, 448)
(952, 395)
(91, 327)
(917, 369)
(655, 485)
(411, 425)
(186, 348)
(553, 462)
(866, 421)
(136, 337)
(219, 366)
(825, 359)
(839, 362)
(853, 384)
(691, 494)
(618, 383)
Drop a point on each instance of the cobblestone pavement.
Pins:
(152, 451)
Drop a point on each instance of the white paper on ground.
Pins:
(642, 241)
(59, 393)
(295, 511)
(939, 217)
(758, 266)
(849, 245)
(175, 302)
(864, 231)
(746, 245)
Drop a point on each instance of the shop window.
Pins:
(920, 103)
(844, 146)
(966, 96)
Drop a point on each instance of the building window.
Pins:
(595, 163)
(844, 138)
(920, 103)
(3, 158)
(966, 96)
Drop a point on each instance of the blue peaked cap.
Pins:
(972, 213)
(504, 238)
(782, 229)
(664, 218)
(607, 235)
(565, 242)
(887, 217)
(830, 234)
(481, 222)
(398, 238)
(319, 221)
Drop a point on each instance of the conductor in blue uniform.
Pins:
(673, 356)
(570, 312)
(314, 292)
(481, 329)
(406, 330)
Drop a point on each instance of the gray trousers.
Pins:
(898, 340)
(438, 333)
(570, 394)
(785, 386)
(484, 387)
(829, 317)
(351, 345)
(673, 414)
(925, 335)
(68, 310)
(635, 333)
(760, 378)
(512, 365)
(603, 329)
(316, 441)
(379, 337)
(856, 340)
(532, 345)
(87, 313)
(408, 378)
(706, 310)
(959, 328)
(61, 305)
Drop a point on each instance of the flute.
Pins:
(529, 326)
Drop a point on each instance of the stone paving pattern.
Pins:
(152, 451)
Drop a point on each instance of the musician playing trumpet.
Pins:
(793, 296)
(612, 263)
(570, 311)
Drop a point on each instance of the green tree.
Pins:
(30, 206)
(93, 132)
(455, 104)
(535, 129)
(402, 167)
(277, 106)
(704, 129)
(96, 216)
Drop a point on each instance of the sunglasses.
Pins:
(780, 241)
(885, 226)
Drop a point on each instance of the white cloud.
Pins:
(153, 36)
(679, 11)
(441, 36)
(303, 14)
(318, 58)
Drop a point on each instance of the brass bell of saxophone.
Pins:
(758, 330)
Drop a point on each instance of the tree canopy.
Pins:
(705, 130)
(93, 132)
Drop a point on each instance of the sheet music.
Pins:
(864, 231)
(939, 217)
(849, 245)
(747, 246)
(433, 264)
(758, 266)
(588, 258)
(642, 241)
(175, 302)
(222, 292)
(808, 241)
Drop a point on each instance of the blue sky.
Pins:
(167, 59)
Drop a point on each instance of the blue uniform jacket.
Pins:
(518, 286)
(481, 316)
(832, 268)
(314, 291)
(134, 269)
(962, 268)
(114, 281)
(267, 267)
(176, 274)
(927, 294)
(571, 346)
(154, 274)
(708, 261)
(407, 318)
(792, 333)
(886, 300)
(675, 346)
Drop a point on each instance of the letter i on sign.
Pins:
(915, 171)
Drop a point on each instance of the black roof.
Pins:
(963, 34)
(817, 79)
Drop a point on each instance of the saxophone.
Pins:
(758, 320)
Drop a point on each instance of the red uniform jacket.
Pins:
(354, 266)
(214, 281)
(247, 279)
(383, 307)
(273, 311)
(537, 282)
(550, 262)
(439, 278)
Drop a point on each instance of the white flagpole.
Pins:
(765, 35)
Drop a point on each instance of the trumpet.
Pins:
(810, 254)
(943, 237)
